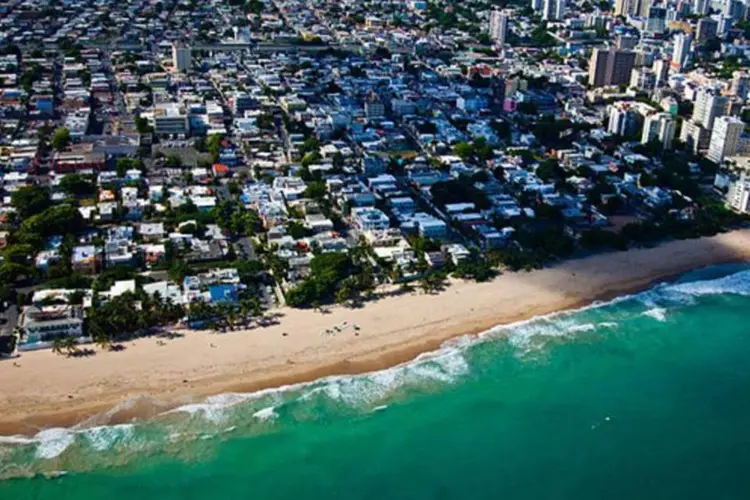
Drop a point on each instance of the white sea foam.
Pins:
(658, 313)
(268, 413)
(608, 324)
(738, 284)
(53, 442)
(213, 408)
(446, 365)
(586, 327)
(104, 437)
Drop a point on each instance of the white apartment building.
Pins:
(498, 26)
(725, 138)
(659, 127)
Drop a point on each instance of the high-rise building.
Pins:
(740, 84)
(701, 7)
(661, 70)
(626, 41)
(657, 20)
(734, 9)
(553, 9)
(498, 26)
(622, 119)
(659, 127)
(596, 21)
(684, 8)
(598, 67)
(537, 5)
(738, 194)
(182, 60)
(725, 24)
(725, 138)
(560, 9)
(707, 29)
(622, 7)
(633, 8)
(694, 136)
(683, 45)
(640, 8)
(644, 56)
(610, 67)
(643, 79)
(709, 105)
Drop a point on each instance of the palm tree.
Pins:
(157, 302)
(396, 274)
(143, 320)
(57, 345)
(347, 291)
(103, 342)
(232, 318)
(70, 345)
(255, 308)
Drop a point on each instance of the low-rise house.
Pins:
(152, 232)
(491, 238)
(435, 259)
(168, 292)
(318, 223)
(366, 218)
(119, 288)
(430, 227)
(457, 252)
(86, 259)
(205, 251)
(118, 253)
(43, 324)
(153, 252)
(218, 285)
(391, 246)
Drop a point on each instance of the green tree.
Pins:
(347, 291)
(61, 139)
(77, 185)
(7, 344)
(30, 200)
(464, 150)
(550, 170)
(316, 190)
(59, 219)
(173, 161)
(214, 145)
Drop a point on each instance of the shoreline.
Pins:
(145, 379)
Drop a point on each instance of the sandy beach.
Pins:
(41, 389)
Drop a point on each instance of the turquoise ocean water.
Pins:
(647, 396)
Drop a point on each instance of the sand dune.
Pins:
(146, 378)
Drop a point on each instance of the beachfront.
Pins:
(41, 389)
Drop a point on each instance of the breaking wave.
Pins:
(214, 418)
